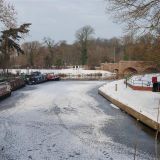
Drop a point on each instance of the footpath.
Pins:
(142, 105)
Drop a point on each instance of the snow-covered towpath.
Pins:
(144, 102)
(68, 120)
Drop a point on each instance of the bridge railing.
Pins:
(142, 83)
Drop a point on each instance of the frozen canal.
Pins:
(68, 120)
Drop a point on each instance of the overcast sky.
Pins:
(60, 19)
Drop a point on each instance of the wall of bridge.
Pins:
(125, 66)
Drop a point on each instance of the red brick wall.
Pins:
(140, 88)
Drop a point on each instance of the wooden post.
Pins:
(116, 87)
(126, 83)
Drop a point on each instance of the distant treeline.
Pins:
(61, 54)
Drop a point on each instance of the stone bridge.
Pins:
(131, 67)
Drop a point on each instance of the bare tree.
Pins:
(139, 15)
(83, 35)
(51, 49)
(31, 50)
(7, 14)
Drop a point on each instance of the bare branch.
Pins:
(138, 15)
(7, 14)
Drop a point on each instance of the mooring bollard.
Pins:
(116, 87)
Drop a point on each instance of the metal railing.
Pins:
(142, 83)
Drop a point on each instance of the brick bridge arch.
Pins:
(151, 70)
(130, 67)
(130, 70)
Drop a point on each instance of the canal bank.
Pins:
(141, 105)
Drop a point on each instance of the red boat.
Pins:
(52, 77)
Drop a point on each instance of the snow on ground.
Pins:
(71, 71)
(143, 80)
(145, 102)
(58, 121)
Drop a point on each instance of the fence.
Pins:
(142, 83)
